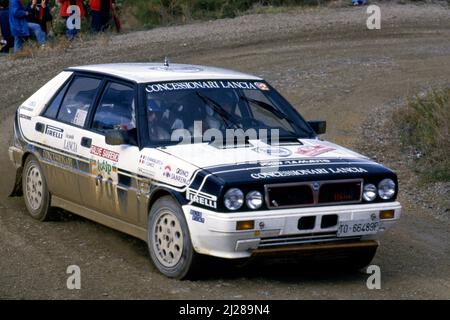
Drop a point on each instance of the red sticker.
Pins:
(105, 153)
(313, 150)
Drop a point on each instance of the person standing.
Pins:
(8, 39)
(39, 13)
(63, 12)
(21, 28)
(100, 14)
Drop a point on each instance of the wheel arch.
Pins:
(17, 188)
(161, 192)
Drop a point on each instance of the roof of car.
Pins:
(156, 72)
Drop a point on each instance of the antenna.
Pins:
(166, 61)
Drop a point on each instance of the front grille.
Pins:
(340, 192)
(314, 193)
(282, 241)
(296, 195)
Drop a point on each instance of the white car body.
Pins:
(132, 176)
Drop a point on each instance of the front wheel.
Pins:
(169, 241)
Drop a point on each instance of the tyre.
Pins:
(35, 192)
(169, 241)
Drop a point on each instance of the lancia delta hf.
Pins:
(196, 161)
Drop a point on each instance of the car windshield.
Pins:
(212, 107)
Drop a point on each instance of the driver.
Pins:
(154, 116)
(214, 120)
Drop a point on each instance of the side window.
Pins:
(79, 98)
(52, 109)
(116, 109)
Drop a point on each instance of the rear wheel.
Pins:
(169, 241)
(35, 191)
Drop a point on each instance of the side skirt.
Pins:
(103, 219)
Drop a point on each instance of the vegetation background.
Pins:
(422, 123)
(145, 14)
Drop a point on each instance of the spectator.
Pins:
(65, 4)
(8, 39)
(39, 13)
(100, 14)
(21, 28)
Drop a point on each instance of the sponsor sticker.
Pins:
(104, 153)
(178, 175)
(30, 106)
(202, 198)
(149, 161)
(80, 117)
(147, 165)
(26, 108)
(262, 86)
(306, 172)
(105, 169)
(273, 151)
(293, 162)
(197, 216)
(22, 116)
(313, 151)
(69, 144)
(195, 85)
(54, 132)
(58, 158)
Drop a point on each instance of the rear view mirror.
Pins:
(116, 137)
(319, 127)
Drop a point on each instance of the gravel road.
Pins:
(330, 67)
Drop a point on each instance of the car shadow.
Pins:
(286, 269)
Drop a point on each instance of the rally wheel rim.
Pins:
(34, 187)
(168, 239)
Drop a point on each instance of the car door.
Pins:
(59, 130)
(111, 186)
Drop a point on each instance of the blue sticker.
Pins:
(197, 216)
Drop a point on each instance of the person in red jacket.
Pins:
(100, 14)
(63, 12)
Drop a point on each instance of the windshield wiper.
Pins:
(276, 112)
(218, 109)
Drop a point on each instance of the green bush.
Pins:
(425, 128)
(152, 13)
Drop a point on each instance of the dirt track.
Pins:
(329, 66)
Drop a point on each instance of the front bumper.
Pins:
(276, 231)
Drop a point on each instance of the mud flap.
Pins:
(17, 188)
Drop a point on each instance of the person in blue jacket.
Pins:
(8, 39)
(21, 28)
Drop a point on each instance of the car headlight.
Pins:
(386, 189)
(369, 192)
(233, 199)
(254, 200)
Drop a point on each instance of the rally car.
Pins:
(196, 161)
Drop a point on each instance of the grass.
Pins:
(424, 127)
(151, 13)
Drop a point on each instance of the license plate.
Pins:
(357, 228)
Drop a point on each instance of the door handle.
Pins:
(86, 142)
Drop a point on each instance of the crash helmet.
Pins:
(153, 106)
